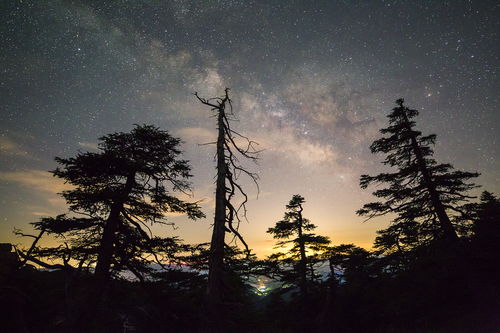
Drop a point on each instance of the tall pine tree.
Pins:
(421, 192)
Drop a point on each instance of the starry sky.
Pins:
(311, 81)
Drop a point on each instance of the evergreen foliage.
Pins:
(421, 192)
(116, 193)
(421, 277)
(296, 267)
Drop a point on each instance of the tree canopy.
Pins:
(421, 192)
(294, 230)
(116, 194)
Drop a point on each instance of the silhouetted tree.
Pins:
(294, 230)
(421, 192)
(237, 261)
(227, 216)
(116, 193)
(485, 233)
(486, 219)
(238, 268)
(348, 264)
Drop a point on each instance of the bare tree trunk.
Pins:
(226, 215)
(216, 260)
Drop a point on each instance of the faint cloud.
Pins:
(270, 123)
(160, 63)
(38, 180)
(196, 134)
(173, 214)
(89, 145)
(42, 213)
(288, 144)
(209, 82)
(9, 147)
(333, 103)
(40, 183)
(248, 102)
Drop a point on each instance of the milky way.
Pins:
(311, 82)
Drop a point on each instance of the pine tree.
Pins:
(349, 265)
(347, 261)
(294, 230)
(486, 219)
(422, 193)
(484, 226)
(238, 264)
(116, 193)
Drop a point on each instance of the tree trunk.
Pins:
(303, 258)
(216, 260)
(444, 220)
(105, 255)
(325, 320)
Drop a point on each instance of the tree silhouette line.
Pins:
(434, 268)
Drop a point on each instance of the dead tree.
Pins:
(227, 215)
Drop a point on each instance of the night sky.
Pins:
(311, 81)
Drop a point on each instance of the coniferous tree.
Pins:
(421, 192)
(348, 262)
(239, 267)
(295, 230)
(116, 193)
(486, 219)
